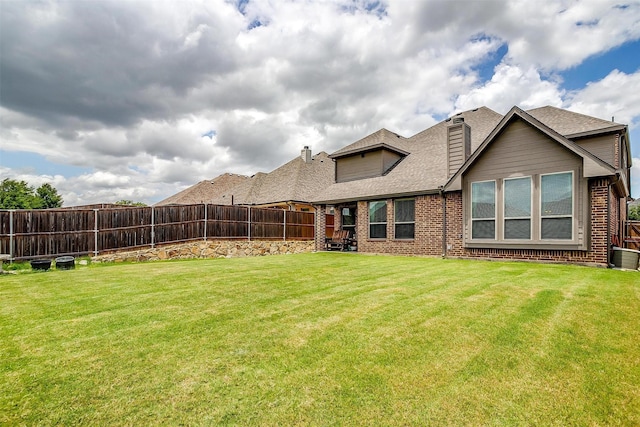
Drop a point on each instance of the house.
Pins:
(545, 184)
(290, 186)
(205, 191)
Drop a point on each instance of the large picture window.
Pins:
(404, 216)
(556, 206)
(378, 220)
(517, 208)
(483, 210)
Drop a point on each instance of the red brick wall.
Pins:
(454, 225)
(429, 231)
(596, 254)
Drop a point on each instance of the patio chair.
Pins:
(338, 242)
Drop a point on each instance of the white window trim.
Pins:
(495, 211)
(504, 209)
(573, 202)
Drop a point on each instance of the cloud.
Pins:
(127, 89)
(613, 96)
(512, 85)
(107, 61)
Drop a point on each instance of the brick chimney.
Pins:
(458, 144)
(306, 154)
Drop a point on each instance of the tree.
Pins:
(634, 213)
(16, 195)
(20, 195)
(129, 203)
(49, 196)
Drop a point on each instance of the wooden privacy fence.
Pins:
(28, 234)
(632, 239)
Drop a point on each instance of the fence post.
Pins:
(11, 229)
(205, 222)
(249, 224)
(284, 230)
(95, 232)
(153, 228)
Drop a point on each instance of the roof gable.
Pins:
(382, 138)
(592, 166)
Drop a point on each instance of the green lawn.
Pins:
(321, 339)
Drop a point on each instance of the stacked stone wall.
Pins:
(209, 249)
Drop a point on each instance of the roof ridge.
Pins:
(565, 111)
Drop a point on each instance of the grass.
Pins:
(321, 339)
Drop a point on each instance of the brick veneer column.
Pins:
(362, 225)
(320, 226)
(598, 189)
(337, 217)
(455, 228)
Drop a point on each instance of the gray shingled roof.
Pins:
(382, 137)
(424, 170)
(295, 181)
(568, 123)
(205, 191)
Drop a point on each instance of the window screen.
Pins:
(557, 206)
(483, 210)
(517, 208)
(378, 220)
(404, 218)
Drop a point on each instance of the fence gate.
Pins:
(632, 241)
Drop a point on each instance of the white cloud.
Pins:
(617, 95)
(105, 179)
(635, 177)
(127, 89)
(558, 35)
(512, 85)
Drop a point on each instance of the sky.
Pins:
(139, 99)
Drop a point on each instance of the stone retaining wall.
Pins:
(210, 249)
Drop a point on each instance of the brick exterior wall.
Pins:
(429, 231)
(595, 255)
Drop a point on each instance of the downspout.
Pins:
(609, 224)
(609, 187)
(444, 222)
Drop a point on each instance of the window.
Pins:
(378, 220)
(404, 218)
(556, 206)
(517, 208)
(483, 210)
(349, 221)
